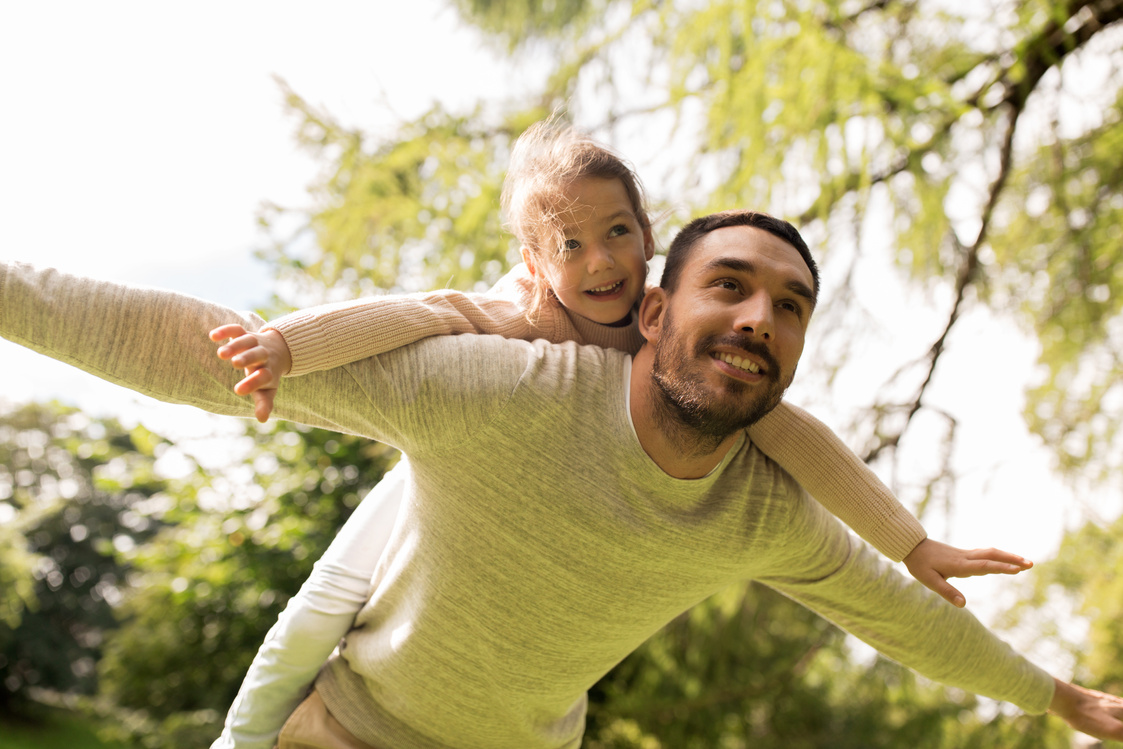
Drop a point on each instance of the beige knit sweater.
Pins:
(329, 336)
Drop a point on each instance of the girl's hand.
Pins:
(264, 356)
(932, 563)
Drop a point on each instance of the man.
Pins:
(565, 502)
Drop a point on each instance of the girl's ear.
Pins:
(648, 244)
(528, 260)
(651, 310)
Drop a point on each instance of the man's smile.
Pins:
(741, 363)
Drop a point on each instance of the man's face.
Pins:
(732, 332)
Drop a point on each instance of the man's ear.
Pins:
(651, 310)
(528, 260)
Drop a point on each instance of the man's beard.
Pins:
(690, 414)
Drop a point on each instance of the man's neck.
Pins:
(675, 448)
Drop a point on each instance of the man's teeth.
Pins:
(606, 288)
(745, 364)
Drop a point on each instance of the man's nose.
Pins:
(755, 315)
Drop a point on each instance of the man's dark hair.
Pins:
(688, 237)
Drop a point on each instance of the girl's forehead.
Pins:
(591, 200)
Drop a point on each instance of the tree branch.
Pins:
(968, 271)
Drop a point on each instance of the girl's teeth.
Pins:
(603, 289)
(740, 363)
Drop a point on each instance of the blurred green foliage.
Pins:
(150, 595)
(73, 492)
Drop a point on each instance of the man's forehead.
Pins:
(762, 249)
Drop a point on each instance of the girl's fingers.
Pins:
(253, 357)
(256, 380)
(998, 555)
(237, 346)
(948, 592)
(223, 332)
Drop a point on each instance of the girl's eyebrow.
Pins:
(619, 213)
(571, 229)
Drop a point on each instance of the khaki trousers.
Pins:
(311, 726)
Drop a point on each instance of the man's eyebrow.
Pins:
(741, 265)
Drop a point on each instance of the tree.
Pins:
(208, 587)
(76, 492)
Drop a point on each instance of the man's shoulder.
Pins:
(765, 478)
(504, 358)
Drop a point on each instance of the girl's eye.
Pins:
(571, 244)
(618, 230)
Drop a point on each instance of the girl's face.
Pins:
(601, 269)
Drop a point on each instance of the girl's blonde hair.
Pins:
(545, 159)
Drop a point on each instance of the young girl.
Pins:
(578, 211)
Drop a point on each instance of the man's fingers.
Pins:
(1091, 712)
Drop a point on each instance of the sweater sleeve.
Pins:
(847, 583)
(155, 343)
(332, 335)
(831, 473)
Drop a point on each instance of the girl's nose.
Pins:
(600, 259)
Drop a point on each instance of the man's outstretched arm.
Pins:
(155, 342)
(823, 568)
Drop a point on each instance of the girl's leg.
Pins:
(313, 622)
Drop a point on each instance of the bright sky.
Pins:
(139, 138)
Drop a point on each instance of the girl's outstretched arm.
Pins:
(332, 335)
(831, 473)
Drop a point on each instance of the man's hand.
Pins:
(932, 563)
(1088, 711)
(265, 358)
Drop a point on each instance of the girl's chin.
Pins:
(612, 321)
